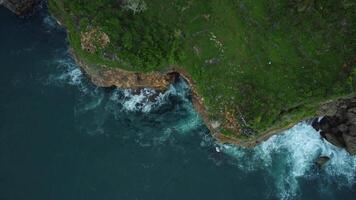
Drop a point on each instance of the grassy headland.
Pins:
(258, 65)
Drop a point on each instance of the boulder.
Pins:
(338, 124)
(321, 161)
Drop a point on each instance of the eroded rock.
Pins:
(321, 161)
(338, 124)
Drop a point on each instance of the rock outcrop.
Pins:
(103, 76)
(338, 123)
(321, 161)
(20, 7)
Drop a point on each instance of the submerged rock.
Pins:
(338, 125)
(321, 161)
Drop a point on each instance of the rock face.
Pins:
(115, 77)
(20, 7)
(338, 124)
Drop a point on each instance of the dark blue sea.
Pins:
(62, 138)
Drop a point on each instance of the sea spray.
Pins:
(291, 156)
(68, 72)
(147, 100)
(101, 104)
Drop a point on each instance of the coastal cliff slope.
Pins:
(254, 68)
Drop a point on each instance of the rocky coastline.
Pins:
(336, 122)
(21, 7)
(338, 117)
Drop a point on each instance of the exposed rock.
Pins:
(321, 161)
(103, 76)
(334, 139)
(352, 130)
(350, 142)
(338, 125)
(20, 7)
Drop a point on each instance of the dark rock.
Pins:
(350, 142)
(328, 109)
(21, 7)
(338, 124)
(343, 128)
(321, 161)
(324, 124)
(352, 130)
(315, 124)
(351, 116)
(335, 140)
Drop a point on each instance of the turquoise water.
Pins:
(63, 138)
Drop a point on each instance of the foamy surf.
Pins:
(147, 100)
(67, 73)
(291, 155)
(295, 150)
(49, 22)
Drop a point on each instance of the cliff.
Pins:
(247, 86)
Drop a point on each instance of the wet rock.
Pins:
(352, 130)
(350, 142)
(334, 139)
(338, 124)
(321, 161)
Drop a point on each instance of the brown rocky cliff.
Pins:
(103, 76)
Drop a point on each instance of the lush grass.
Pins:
(271, 62)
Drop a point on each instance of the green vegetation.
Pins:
(269, 63)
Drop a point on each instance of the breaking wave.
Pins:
(122, 103)
(49, 22)
(67, 73)
(290, 157)
(147, 100)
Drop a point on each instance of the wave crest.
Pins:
(147, 100)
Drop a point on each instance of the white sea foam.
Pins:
(68, 73)
(126, 100)
(291, 155)
(146, 100)
(49, 22)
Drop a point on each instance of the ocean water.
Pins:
(63, 138)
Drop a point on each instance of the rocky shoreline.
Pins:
(21, 7)
(338, 126)
(333, 112)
